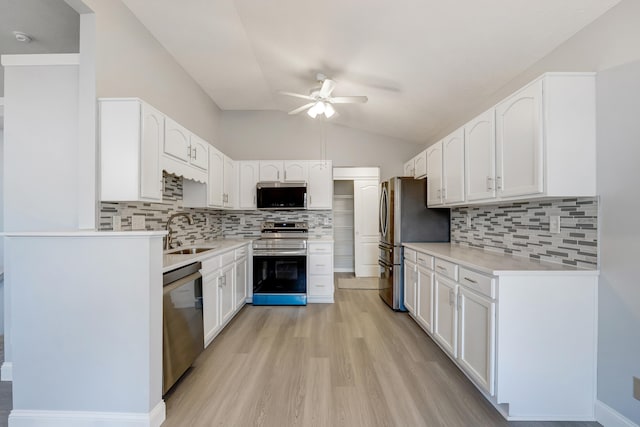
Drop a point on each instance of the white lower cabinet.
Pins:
(445, 328)
(320, 272)
(410, 289)
(224, 289)
(424, 303)
(476, 352)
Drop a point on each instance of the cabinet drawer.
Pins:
(409, 254)
(446, 268)
(320, 248)
(425, 261)
(477, 282)
(320, 285)
(320, 264)
(210, 264)
(227, 258)
(241, 252)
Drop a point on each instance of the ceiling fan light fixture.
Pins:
(312, 112)
(329, 111)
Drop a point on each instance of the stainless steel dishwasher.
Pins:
(182, 328)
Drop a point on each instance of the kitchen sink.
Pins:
(188, 251)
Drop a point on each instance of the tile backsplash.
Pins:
(208, 224)
(522, 229)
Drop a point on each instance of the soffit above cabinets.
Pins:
(419, 62)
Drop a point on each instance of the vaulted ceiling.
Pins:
(419, 61)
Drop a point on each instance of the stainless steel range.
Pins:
(280, 264)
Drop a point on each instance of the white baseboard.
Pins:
(27, 418)
(609, 417)
(320, 300)
(6, 371)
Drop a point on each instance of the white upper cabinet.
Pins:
(453, 167)
(229, 183)
(177, 141)
(409, 168)
(271, 170)
(519, 143)
(320, 185)
(295, 170)
(131, 139)
(434, 178)
(215, 196)
(199, 152)
(420, 165)
(480, 154)
(538, 142)
(248, 176)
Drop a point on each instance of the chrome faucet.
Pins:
(169, 239)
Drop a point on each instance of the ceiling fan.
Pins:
(321, 99)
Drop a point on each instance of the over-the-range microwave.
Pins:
(281, 195)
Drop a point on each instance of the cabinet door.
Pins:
(410, 287)
(445, 328)
(271, 170)
(420, 168)
(240, 283)
(296, 170)
(152, 141)
(409, 168)
(480, 154)
(248, 177)
(424, 304)
(176, 140)
(477, 337)
(453, 167)
(434, 177)
(215, 185)
(519, 143)
(199, 152)
(320, 186)
(210, 316)
(226, 294)
(229, 183)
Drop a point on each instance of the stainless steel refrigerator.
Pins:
(404, 217)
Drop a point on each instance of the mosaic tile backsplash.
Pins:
(522, 229)
(208, 224)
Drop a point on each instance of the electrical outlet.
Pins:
(468, 221)
(137, 222)
(636, 388)
(554, 224)
(116, 223)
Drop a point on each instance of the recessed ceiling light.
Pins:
(22, 37)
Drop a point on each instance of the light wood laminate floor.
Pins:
(352, 363)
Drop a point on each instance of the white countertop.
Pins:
(496, 264)
(171, 262)
(84, 233)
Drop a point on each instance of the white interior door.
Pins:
(365, 201)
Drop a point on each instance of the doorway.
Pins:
(355, 209)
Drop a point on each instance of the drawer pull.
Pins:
(439, 267)
(470, 280)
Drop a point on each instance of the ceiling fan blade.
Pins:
(327, 87)
(297, 95)
(349, 99)
(300, 109)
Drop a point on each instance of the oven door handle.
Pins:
(259, 253)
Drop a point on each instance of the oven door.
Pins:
(279, 272)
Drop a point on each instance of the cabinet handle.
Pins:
(470, 280)
(439, 267)
(498, 183)
(459, 300)
(451, 297)
(320, 265)
(195, 154)
(189, 151)
(489, 183)
(285, 175)
(444, 193)
(278, 175)
(254, 200)
(439, 193)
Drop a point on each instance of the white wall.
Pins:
(132, 63)
(619, 294)
(258, 135)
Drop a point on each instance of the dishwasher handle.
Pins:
(175, 285)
